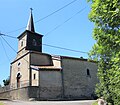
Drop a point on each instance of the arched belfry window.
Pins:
(34, 42)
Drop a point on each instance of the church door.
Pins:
(18, 80)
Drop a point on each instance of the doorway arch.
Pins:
(18, 79)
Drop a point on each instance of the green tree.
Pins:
(6, 81)
(106, 16)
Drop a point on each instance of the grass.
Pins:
(95, 103)
(1, 103)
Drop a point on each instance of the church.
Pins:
(42, 76)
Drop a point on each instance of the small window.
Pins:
(34, 42)
(21, 43)
(19, 64)
(34, 76)
(88, 72)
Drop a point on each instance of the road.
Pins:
(17, 102)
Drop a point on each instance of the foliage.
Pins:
(106, 16)
(6, 82)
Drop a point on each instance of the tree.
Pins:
(106, 16)
(6, 82)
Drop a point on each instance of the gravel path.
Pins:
(17, 102)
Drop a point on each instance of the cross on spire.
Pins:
(31, 9)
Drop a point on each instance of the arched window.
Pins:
(34, 42)
(88, 72)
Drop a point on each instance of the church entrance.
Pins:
(18, 80)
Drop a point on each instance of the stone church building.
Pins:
(35, 74)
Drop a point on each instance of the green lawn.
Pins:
(95, 103)
(1, 103)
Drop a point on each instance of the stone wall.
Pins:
(50, 84)
(79, 78)
(21, 94)
(5, 95)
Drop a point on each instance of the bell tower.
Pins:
(29, 50)
(29, 39)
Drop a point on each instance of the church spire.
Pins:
(30, 25)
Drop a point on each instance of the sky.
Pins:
(74, 29)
